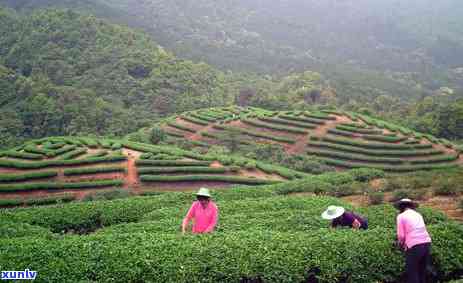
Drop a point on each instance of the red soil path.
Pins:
(131, 179)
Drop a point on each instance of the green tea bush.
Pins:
(375, 198)
(384, 138)
(193, 120)
(213, 178)
(23, 155)
(27, 176)
(185, 169)
(308, 121)
(264, 125)
(181, 127)
(93, 170)
(73, 154)
(288, 123)
(107, 195)
(375, 152)
(59, 186)
(173, 163)
(257, 134)
(358, 130)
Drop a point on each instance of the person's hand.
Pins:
(356, 224)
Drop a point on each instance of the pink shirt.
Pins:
(411, 229)
(205, 219)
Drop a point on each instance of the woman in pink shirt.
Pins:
(414, 239)
(204, 212)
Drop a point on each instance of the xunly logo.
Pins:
(15, 275)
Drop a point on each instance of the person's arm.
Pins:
(356, 224)
(400, 231)
(213, 221)
(188, 217)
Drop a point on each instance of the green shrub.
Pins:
(375, 198)
(181, 127)
(184, 169)
(193, 120)
(23, 155)
(288, 123)
(157, 135)
(358, 130)
(257, 134)
(308, 121)
(366, 174)
(384, 138)
(27, 176)
(446, 189)
(264, 125)
(375, 152)
(107, 195)
(400, 194)
(173, 163)
(59, 186)
(354, 157)
(199, 178)
(50, 200)
(73, 154)
(93, 170)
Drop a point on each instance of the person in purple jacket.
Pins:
(340, 217)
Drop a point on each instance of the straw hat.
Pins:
(405, 201)
(333, 212)
(203, 192)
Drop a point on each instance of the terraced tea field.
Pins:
(65, 168)
(341, 139)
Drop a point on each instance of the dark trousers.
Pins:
(416, 260)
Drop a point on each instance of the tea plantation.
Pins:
(263, 236)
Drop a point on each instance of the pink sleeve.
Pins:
(190, 214)
(400, 230)
(214, 219)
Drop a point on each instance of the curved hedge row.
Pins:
(73, 154)
(321, 116)
(372, 145)
(390, 168)
(374, 152)
(187, 169)
(181, 127)
(27, 176)
(173, 163)
(23, 155)
(194, 120)
(270, 126)
(312, 121)
(93, 170)
(202, 178)
(357, 130)
(59, 186)
(257, 134)
(383, 138)
(288, 122)
(50, 163)
(355, 157)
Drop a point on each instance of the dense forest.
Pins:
(68, 72)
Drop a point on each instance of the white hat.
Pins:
(203, 192)
(407, 201)
(333, 212)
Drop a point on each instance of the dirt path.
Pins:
(322, 130)
(197, 136)
(131, 180)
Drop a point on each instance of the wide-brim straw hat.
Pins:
(408, 201)
(333, 212)
(203, 192)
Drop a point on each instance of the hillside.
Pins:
(66, 168)
(340, 139)
(65, 73)
(409, 49)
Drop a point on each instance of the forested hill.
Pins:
(65, 73)
(362, 48)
